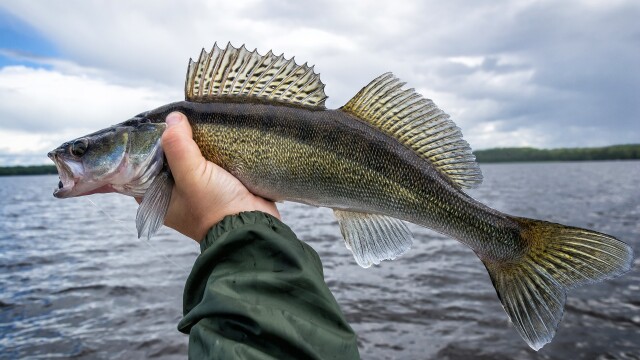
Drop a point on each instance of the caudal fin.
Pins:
(533, 289)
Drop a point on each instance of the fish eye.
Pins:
(79, 147)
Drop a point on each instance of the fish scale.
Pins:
(387, 156)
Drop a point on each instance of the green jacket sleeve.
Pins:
(257, 292)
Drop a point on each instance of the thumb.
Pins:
(182, 152)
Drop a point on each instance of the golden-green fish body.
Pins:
(387, 156)
(330, 158)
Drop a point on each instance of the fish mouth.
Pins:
(65, 174)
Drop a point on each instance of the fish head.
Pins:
(123, 158)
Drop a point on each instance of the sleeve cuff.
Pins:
(233, 222)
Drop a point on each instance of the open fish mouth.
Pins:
(65, 174)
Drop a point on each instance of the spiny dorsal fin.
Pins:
(418, 124)
(246, 75)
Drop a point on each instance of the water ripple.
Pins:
(75, 282)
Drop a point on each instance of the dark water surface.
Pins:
(75, 281)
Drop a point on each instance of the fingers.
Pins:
(182, 152)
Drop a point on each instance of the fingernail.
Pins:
(173, 118)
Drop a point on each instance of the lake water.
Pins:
(76, 282)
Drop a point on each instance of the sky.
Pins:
(546, 74)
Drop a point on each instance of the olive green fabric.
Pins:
(257, 292)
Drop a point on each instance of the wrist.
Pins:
(235, 208)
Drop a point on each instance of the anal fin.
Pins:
(373, 238)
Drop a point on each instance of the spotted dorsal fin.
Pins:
(418, 124)
(246, 75)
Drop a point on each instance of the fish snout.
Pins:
(53, 154)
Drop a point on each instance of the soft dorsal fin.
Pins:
(247, 75)
(418, 124)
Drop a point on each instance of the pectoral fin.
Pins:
(155, 204)
(373, 238)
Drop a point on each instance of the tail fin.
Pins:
(533, 289)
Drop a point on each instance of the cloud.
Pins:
(42, 108)
(510, 73)
(46, 100)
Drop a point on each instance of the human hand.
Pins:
(204, 193)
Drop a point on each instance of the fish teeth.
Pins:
(65, 175)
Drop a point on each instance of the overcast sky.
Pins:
(510, 73)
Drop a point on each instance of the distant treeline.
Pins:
(27, 170)
(615, 152)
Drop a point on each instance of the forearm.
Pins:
(256, 291)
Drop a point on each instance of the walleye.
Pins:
(387, 156)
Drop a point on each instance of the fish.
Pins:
(387, 157)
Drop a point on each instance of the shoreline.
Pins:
(487, 156)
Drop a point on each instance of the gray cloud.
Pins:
(535, 73)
